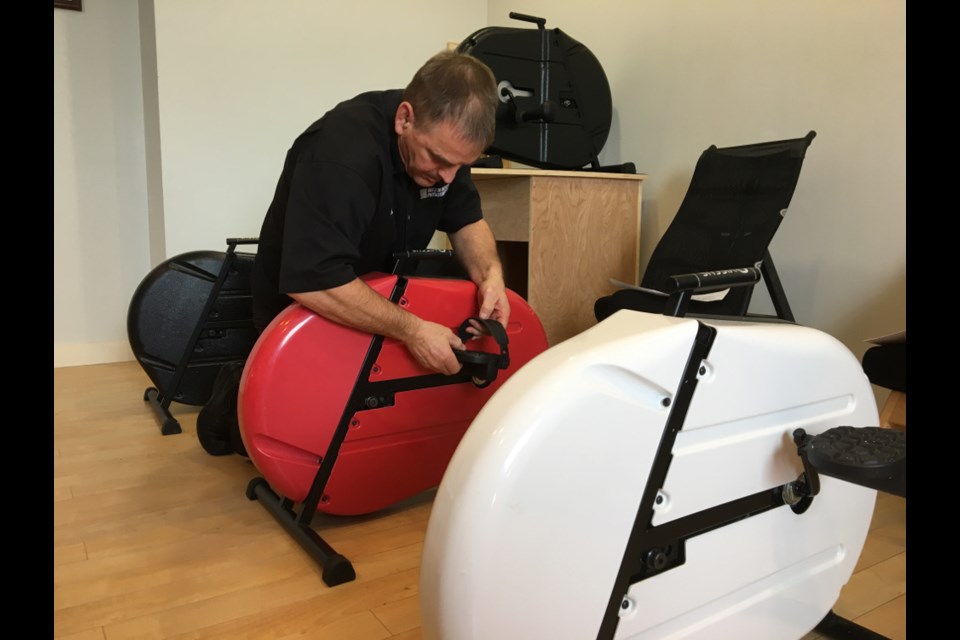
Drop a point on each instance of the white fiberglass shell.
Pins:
(530, 523)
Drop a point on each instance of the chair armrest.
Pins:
(705, 281)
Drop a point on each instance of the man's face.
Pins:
(432, 154)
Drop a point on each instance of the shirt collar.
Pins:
(391, 102)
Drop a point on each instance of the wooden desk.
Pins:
(561, 236)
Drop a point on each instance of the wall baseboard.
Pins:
(84, 353)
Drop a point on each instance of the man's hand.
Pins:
(492, 297)
(432, 346)
(494, 305)
(476, 248)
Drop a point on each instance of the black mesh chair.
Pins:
(736, 200)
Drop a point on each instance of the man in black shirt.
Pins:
(377, 174)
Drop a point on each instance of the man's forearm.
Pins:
(358, 306)
(476, 248)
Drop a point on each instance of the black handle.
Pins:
(544, 112)
(406, 261)
(524, 17)
(423, 254)
(704, 281)
(687, 284)
(236, 241)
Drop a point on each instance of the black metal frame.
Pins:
(777, 295)
(365, 395)
(160, 402)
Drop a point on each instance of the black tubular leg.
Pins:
(777, 295)
(336, 568)
(161, 409)
(833, 626)
(677, 304)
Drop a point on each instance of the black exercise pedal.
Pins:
(871, 457)
(481, 365)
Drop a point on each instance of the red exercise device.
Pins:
(347, 423)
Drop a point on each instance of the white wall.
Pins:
(178, 149)
(690, 73)
(240, 79)
(100, 235)
(237, 80)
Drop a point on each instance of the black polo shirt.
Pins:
(344, 205)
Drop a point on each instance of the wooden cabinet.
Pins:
(561, 236)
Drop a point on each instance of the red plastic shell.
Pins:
(299, 376)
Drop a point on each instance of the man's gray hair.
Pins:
(458, 88)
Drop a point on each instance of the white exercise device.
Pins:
(647, 479)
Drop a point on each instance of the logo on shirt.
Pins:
(434, 192)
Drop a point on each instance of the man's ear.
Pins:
(403, 118)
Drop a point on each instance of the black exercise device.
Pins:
(555, 103)
(189, 316)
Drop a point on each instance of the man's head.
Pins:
(446, 118)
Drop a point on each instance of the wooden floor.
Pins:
(154, 538)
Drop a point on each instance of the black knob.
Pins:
(656, 559)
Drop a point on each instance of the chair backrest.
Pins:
(736, 200)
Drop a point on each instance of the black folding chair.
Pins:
(736, 200)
